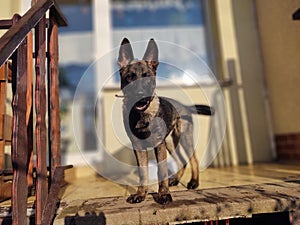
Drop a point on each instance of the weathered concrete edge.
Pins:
(200, 205)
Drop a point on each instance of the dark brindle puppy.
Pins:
(155, 122)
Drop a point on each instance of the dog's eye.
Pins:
(131, 77)
(144, 74)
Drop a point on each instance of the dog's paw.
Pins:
(173, 181)
(193, 184)
(135, 198)
(164, 199)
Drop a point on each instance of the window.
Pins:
(76, 54)
(97, 27)
(180, 22)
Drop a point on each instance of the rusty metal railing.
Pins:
(42, 131)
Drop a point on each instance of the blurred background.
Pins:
(252, 43)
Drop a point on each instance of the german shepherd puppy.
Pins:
(155, 122)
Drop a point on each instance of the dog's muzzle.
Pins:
(143, 103)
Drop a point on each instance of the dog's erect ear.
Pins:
(125, 53)
(151, 54)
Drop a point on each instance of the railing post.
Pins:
(40, 107)
(2, 114)
(2, 125)
(16, 44)
(53, 72)
(29, 112)
(19, 136)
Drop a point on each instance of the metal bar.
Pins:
(40, 106)
(54, 96)
(2, 113)
(10, 41)
(19, 136)
(2, 124)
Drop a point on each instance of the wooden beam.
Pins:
(40, 107)
(52, 198)
(10, 41)
(55, 155)
(29, 112)
(19, 136)
(2, 113)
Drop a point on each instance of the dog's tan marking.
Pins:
(153, 106)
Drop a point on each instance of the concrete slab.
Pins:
(223, 193)
(187, 206)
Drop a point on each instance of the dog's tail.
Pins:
(203, 110)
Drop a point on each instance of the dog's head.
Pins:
(138, 77)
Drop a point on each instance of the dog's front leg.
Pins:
(164, 195)
(142, 162)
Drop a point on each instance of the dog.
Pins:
(155, 122)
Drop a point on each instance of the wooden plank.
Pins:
(2, 156)
(5, 190)
(40, 107)
(54, 96)
(3, 73)
(2, 113)
(188, 206)
(58, 16)
(29, 112)
(9, 72)
(5, 24)
(50, 206)
(19, 137)
(7, 129)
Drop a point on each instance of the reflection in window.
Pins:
(181, 22)
(76, 54)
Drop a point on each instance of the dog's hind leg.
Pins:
(187, 143)
(194, 182)
(173, 148)
(172, 142)
(142, 162)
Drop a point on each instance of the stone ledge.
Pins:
(187, 206)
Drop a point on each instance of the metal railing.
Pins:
(39, 133)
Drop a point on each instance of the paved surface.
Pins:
(223, 193)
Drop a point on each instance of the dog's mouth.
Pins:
(142, 104)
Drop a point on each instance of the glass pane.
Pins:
(76, 54)
(181, 22)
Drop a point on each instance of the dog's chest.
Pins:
(146, 117)
(141, 120)
(146, 126)
(153, 107)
